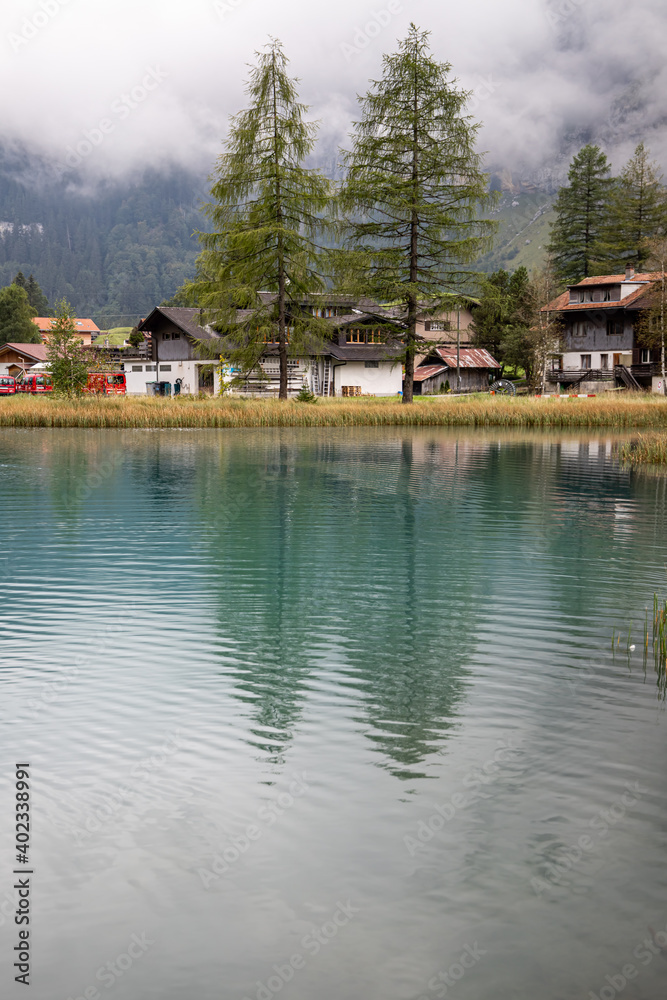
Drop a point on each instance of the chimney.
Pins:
(629, 272)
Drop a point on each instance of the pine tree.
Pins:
(414, 187)
(266, 215)
(637, 212)
(16, 317)
(576, 246)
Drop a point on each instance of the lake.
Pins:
(333, 714)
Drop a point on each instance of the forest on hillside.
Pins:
(113, 253)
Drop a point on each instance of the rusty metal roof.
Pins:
(470, 357)
(428, 371)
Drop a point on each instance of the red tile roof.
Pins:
(615, 279)
(563, 304)
(35, 351)
(82, 325)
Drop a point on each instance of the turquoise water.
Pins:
(327, 713)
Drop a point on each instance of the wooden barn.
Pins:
(438, 369)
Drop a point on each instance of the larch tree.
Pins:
(637, 211)
(582, 208)
(267, 212)
(414, 188)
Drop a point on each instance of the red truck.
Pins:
(106, 383)
(7, 385)
(34, 383)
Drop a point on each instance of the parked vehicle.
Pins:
(34, 383)
(7, 385)
(106, 383)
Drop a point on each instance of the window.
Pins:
(175, 336)
(579, 329)
(375, 337)
(646, 356)
(355, 337)
(166, 336)
(165, 368)
(138, 368)
(440, 325)
(371, 364)
(150, 368)
(614, 327)
(585, 361)
(604, 362)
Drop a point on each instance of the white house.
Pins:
(359, 358)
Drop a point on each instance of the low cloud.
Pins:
(546, 75)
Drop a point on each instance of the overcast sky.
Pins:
(128, 82)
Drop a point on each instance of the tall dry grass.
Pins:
(646, 451)
(632, 412)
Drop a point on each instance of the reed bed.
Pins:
(632, 412)
(660, 644)
(647, 451)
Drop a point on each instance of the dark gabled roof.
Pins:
(365, 352)
(186, 320)
(350, 352)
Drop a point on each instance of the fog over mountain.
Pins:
(113, 86)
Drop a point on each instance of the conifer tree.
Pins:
(37, 298)
(637, 212)
(267, 213)
(414, 187)
(576, 246)
(652, 324)
(16, 317)
(68, 360)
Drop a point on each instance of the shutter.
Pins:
(427, 327)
